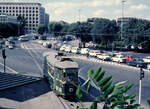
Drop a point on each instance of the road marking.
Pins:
(34, 59)
(10, 69)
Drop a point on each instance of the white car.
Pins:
(62, 48)
(68, 48)
(84, 50)
(148, 66)
(10, 46)
(104, 57)
(94, 53)
(75, 50)
(47, 44)
(147, 59)
(119, 59)
(23, 38)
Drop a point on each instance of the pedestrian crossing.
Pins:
(9, 80)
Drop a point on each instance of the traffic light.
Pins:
(3, 53)
(141, 73)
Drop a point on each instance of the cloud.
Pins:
(139, 7)
(98, 13)
(97, 3)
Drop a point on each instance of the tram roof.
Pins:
(61, 61)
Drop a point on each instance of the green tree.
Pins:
(22, 22)
(104, 31)
(55, 28)
(82, 31)
(136, 31)
(112, 96)
(8, 29)
(42, 29)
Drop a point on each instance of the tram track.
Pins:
(31, 53)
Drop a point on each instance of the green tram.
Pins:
(62, 74)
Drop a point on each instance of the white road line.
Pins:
(33, 59)
(9, 68)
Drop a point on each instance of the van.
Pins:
(84, 50)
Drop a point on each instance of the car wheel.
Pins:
(137, 65)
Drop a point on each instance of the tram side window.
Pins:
(50, 69)
(59, 73)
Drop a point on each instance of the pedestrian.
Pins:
(87, 55)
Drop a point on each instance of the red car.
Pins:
(129, 58)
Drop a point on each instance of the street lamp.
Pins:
(123, 1)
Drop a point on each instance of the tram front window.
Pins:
(70, 74)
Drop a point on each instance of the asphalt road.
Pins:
(26, 58)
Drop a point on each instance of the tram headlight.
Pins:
(70, 89)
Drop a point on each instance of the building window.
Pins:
(33, 7)
(0, 7)
(19, 7)
(26, 7)
(13, 7)
(6, 7)
(3, 7)
(9, 10)
(23, 7)
(16, 7)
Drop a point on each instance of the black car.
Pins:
(137, 62)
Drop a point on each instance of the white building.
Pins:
(34, 13)
(7, 18)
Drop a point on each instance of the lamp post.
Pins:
(123, 1)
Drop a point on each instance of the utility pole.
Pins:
(123, 1)
(140, 84)
(4, 57)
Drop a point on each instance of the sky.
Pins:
(75, 10)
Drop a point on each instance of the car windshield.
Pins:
(139, 60)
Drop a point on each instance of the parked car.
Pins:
(7, 43)
(129, 58)
(10, 46)
(68, 48)
(137, 62)
(148, 66)
(63, 47)
(47, 44)
(75, 50)
(104, 57)
(147, 59)
(119, 59)
(57, 46)
(84, 50)
(94, 53)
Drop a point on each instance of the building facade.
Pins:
(123, 20)
(7, 18)
(34, 13)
